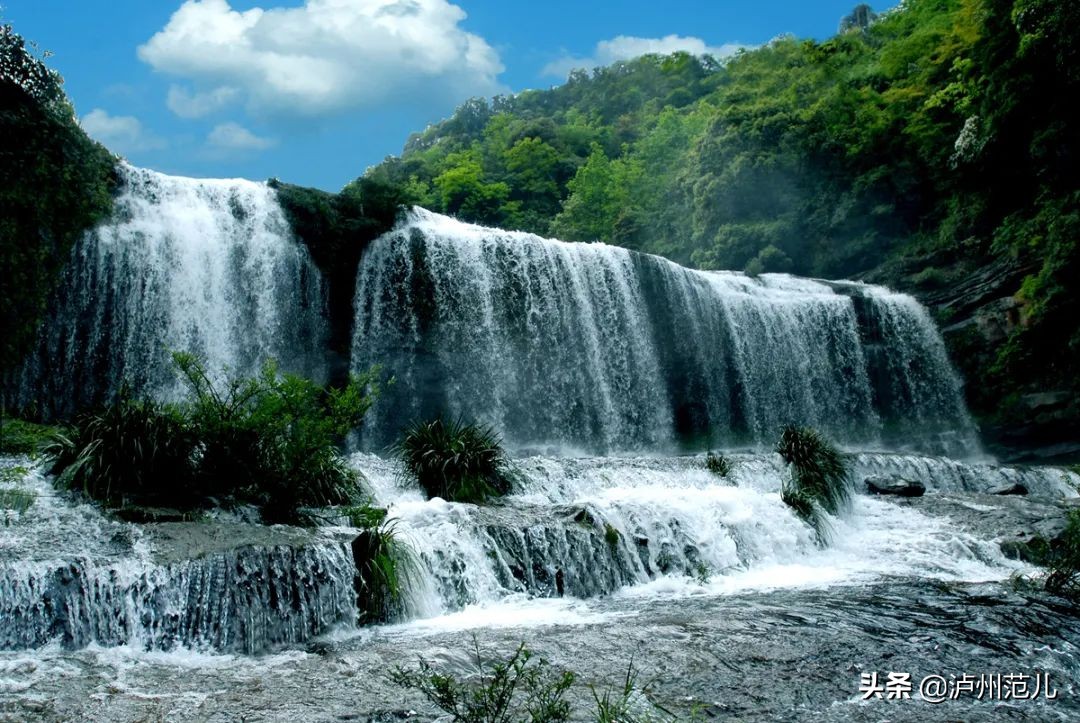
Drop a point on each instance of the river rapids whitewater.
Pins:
(609, 373)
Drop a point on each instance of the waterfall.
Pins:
(205, 266)
(573, 527)
(591, 526)
(597, 348)
(73, 575)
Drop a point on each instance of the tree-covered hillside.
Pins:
(54, 184)
(917, 147)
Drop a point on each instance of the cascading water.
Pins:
(72, 575)
(574, 527)
(594, 347)
(589, 526)
(204, 266)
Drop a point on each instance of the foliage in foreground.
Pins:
(383, 563)
(820, 479)
(519, 689)
(454, 460)
(718, 464)
(269, 441)
(133, 449)
(1061, 558)
(527, 688)
(18, 437)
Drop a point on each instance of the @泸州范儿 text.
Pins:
(940, 688)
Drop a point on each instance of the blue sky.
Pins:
(315, 92)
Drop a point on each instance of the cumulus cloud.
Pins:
(235, 137)
(120, 134)
(324, 57)
(188, 104)
(626, 47)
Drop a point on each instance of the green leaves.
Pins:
(270, 440)
(820, 476)
(521, 688)
(456, 461)
(55, 183)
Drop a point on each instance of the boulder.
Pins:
(1013, 489)
(895, 486)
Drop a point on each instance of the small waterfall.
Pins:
(206, 266)
(247, 600)
(574, 527)
(591, 526)
(593, 347)
(71, 575)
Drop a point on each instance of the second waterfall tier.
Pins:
(596, 348)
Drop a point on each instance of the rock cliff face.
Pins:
(977, 309)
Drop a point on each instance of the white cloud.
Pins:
(323, 57)
(625, 47)
(187, 104)
(120, 134)
(234, 137)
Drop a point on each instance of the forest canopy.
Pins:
(911, 148)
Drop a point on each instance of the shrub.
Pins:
(1062, 559)
(819, 472)
(382, 563)
(518, 689)
(272, 440)
(14, 503)
(269, 441)
(456, 461)
(718, 464)
(133, 450)
(23, 438)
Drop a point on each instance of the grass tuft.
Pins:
(521, 688)
(456, 461)
(383, 562)
(718, 464)
(820, 478)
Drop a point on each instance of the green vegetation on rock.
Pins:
(718, 464)
(383, 562)
(820, 478)
(18, 437)
(456, 461)
(55, 183)
(270, 441)
(1059, 556)
(337, 228)
(521, 688)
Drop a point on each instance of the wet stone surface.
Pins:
(781, 655)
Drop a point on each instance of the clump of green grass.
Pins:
(612, 535)
(521, 688)
(14, 503)
(820, 478)
(271, 441)
(456, 461)
(132, 450)
(24, 438)
(383, 562)
(1062, 560)
(718, 464)
(819, 470)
